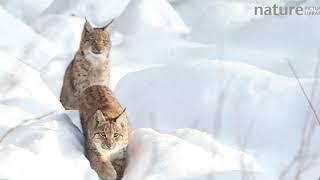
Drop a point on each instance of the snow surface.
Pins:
(237, 103)
(207, 86)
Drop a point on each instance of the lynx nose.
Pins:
(97, 51)
(109, 144)
(98, 48)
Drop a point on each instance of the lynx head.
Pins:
(96, 41)
(110, 132)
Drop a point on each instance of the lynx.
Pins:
(105, 127)
(90, 66)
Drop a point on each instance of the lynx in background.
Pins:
(105, 127)
(90, 66)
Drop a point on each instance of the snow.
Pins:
(25, 10)
(19, 40)
(238, 103)
(142, 15)
(64, 31)
(232, 30)
(178, 157)
(53, 145)
(99, 12)
(207, 87)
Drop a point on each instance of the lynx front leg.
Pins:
(120, 162)
(101, 165)
(119, 165)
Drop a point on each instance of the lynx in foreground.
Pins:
(105, 127)
(90, 66)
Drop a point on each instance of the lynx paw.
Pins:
(109, 174)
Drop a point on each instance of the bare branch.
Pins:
(304, 92)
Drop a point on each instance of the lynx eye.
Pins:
(116, 135)
(91, 37)
(103, 135)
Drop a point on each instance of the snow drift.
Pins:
(248, 121)
(251, 108)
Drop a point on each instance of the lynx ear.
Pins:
(94, 122)
(87, 26)
(98, 117)
(120, 115)
(108, 27)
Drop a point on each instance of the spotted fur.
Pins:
(90, 66)
(105, 127)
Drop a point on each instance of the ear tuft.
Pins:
(121, 114)
(108, 27)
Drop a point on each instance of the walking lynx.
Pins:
(105, 127)
(90, 66)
